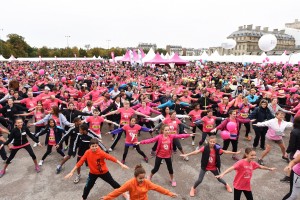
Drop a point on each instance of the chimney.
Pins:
(282, 31)
(249, 27)
(257, 28)
(275, 31)
(266, 29)
(240, 28)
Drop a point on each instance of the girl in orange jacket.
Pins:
(138, 187)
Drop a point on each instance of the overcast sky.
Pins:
(127, 22)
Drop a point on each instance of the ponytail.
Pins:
(139, 170)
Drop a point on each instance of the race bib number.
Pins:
(95, 126)
(124, 122)
(209, 126)
(244, 115)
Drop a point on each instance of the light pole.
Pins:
(108, 43)
(67, 36)
(1, 29)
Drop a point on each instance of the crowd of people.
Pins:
(69, 102)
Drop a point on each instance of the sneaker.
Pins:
(2, 172)
(285, 179)
(35, 145)
(152, 153)
(146, 160)
(37, 169)
(197, 148)
(262, 148)
(173, 183)
(249, 138)
(123, 161)
(286, 159)
(228, 188)
(66, 147)
(261, 162)
(162, 162)
(41, 162)
(110, 150)
(235, 158)
(253, 147)
(186, 158)
(182, 138)
(58, 169)
(192, 192)
(77, 179)
(193, 143)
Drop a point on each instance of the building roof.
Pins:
(255, 33)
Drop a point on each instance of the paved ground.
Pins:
(21, 181)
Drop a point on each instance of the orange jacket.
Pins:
(96, 161)
(136, 191)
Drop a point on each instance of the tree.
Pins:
(18, 45)
(82, 52)
(160, 50)
(44, 52)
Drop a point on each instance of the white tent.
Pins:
(12, 58)
(204, 56)
(294, 58)
(2, 58)
(150, 55)
(99, 58)
(215, 56)
(167, 56)
(163, 56)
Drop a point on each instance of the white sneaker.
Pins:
(77, 179)
(35, 145)
(110, 150)
(193, 143)
(41, 162)
(186, 158)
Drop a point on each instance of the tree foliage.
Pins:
(17, 46)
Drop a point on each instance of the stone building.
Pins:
(147, 46)
(174, 49)
(247, 38)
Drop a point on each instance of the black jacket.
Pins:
(72, 114)
(83, 141)
(72, 132)
(294, 143)
(10, 112)
(206, 155)
(205, 101)
(58, 132)
(19, 137)
(261, 114)
(112, 107)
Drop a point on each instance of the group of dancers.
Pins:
(71, 113)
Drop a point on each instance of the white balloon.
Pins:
(267, 42)
(228, 44)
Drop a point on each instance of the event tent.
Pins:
(177, 60)
(157, 60)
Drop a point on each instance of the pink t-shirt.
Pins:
(51, 140)
(125, 115)
(208, 123)
(173, 124)
(95, 123)
(38, 116)
(211, 165)
(164, 150)
(296, 169)
(131, 133)
(244, 170)
(195, 115)
(30, 103)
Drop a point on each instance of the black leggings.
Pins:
(14, 152)
(238, 193)
(204, 135)
(38, 129)
(90, 182)
(158, 163)
(2, 152)
(49, 150)
(233, 142)
(200, 126)
(116, 140)
(260, 134)
(137, 147)
(247, 126)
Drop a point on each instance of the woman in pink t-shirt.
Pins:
(294, 168)
(195, 115)
(126, 113)
(244, 169)
(164, 149)
(131, 133)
